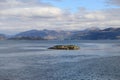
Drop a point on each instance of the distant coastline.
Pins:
(87, 34)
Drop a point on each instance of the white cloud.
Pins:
(95, 15)
(32, 11)
(28, 14)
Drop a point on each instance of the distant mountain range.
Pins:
(42, 35)
(3, 37)
(87, 34)
(97, 34)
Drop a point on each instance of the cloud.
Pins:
(21, 15)
(95, 15)
(114, 2)
(6, 3)
(32, 11)
(55, 0)
(2, 0)
(21, 3)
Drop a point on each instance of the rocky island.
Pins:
(65, 47)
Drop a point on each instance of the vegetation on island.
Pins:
(65, 47)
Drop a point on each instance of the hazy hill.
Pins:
(2, 37)
(108, 33)
(87, 34)
(42, 35)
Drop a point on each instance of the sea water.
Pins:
(32, 60)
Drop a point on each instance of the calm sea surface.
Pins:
(32, 60)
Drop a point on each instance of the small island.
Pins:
(65, 47)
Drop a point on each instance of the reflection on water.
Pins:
(32, 60)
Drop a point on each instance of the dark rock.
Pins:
(65, 47)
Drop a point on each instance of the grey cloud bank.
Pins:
(114, 2)
(21, 15)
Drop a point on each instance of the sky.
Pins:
(22, 15)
